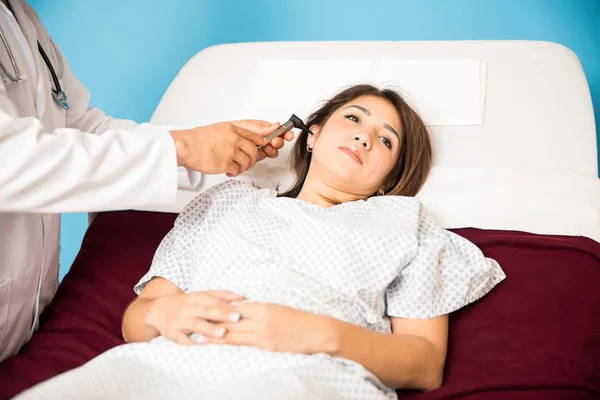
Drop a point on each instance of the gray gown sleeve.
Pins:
(174, 258)
(447, 273)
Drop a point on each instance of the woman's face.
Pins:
(358, 146)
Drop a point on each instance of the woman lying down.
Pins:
(339, 288)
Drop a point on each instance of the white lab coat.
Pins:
(54, 161)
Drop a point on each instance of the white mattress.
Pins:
(512, 121)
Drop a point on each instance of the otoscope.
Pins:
(293, 122)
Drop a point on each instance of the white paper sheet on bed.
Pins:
(512, 121)
(446, 92)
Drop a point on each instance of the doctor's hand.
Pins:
(177, 316)
(278, 328)
(272, 149)
(225, 147)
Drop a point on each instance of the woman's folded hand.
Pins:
(178, 316)
(278, 328)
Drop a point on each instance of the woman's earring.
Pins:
(380, 192)
(308, 148)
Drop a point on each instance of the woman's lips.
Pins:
(352, 154)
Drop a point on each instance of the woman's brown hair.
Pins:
(414, 161)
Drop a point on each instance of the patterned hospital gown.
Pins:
(360, 262)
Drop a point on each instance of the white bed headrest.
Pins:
(512, 121)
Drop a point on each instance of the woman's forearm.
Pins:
(135, 327)
(399, 361)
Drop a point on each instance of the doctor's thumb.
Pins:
(257, 126)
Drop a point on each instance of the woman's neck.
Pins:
(319, 193)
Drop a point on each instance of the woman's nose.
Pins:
(363, 139)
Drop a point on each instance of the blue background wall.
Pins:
(128, 51)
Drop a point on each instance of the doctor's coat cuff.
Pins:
(187, 179)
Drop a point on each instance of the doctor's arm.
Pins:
(226, 147)
(68, 170)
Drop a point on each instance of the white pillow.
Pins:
(516, 151)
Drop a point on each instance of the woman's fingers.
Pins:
(214, 314)
(224, 295)
(236, 338)
(213, 298)
(213, 306)
(184, 339)
(196, 325)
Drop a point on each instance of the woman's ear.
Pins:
(387, 186)
(310, 140)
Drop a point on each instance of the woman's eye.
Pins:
(353, 118)
(386, 142)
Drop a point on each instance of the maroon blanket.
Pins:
(536, 336)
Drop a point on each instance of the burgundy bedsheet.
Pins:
(536, 336)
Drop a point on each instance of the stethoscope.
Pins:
(57, 92)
